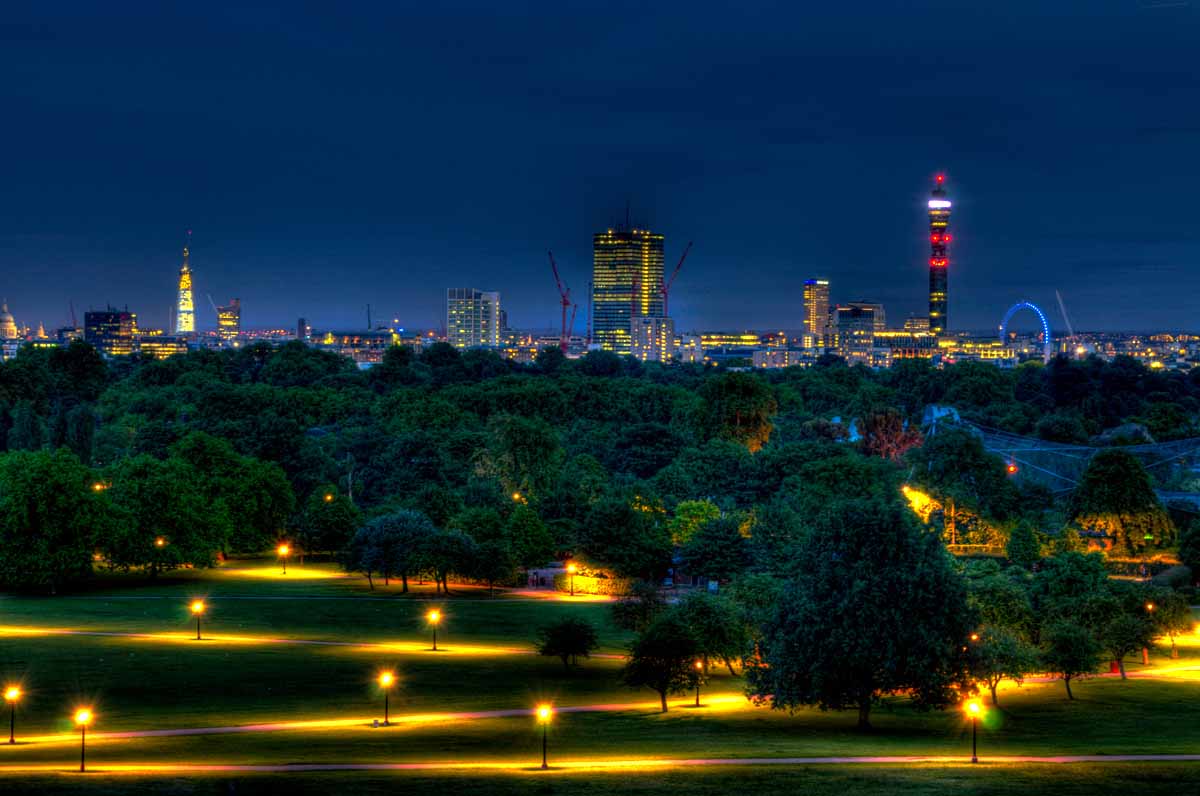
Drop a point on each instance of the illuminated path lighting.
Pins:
(566, 766)
(725, 701)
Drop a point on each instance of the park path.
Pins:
(396, 720)
(645, 764)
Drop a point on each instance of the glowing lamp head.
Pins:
(198, 606)
(973, 708)
(1149, 606)
(939, 204)
(12, 693)
(517, 497)
(97, 487)
(434, 617)
(386, 679)
(1012, 468)
(572, 568)
(160, 542)
(83, 717)
(699, 665)
(974, 637)
(283, 549)
(544, 712)
(328, 497)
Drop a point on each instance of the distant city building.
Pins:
(855, 334)
(302, 329)
(472, 317)
(229, 320)
(111, 331)
(916, 323)
(162, 346)
(783, 358)
(8, 324)
(876, 310)
(939, 260)
(690, 349)
(627, 281)
(365, 347)
(185, 310)
(816, 309)
(653, 339)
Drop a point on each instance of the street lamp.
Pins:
(11, 695)
(433, 618)
(1146, 650)
(544, 714)
(571, 570)
(197, 608)
(160, 542)
(328, 497)
(83, 717)
(386, 679)
(699, 672)
(974, 710)
(284, 550)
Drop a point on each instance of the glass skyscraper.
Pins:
(627, 281)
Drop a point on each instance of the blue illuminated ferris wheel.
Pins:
(1047, 346)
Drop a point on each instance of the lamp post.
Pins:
(433, 618)
(12, 695)
(83, 717)
(699, 673)
(974, 710)
(571, 570)
(283, 550)
(386, 679)
(544, 714)
(197, 608)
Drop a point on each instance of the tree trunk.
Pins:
(404, 581)
(992, 686)
(1121, 666)
(729, 665)
(864, 714)
(370, 582)
(662, 696)
(1067, 680)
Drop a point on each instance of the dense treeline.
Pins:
(157, 464)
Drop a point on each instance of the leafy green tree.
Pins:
(1071, 652)
(1171, 615)
(718, 551)
(638, 609)
(28, 431)
(887, 434)
(1115, 496)
(689, 516)
(717, 626)
(569, 639)
(1189, 549)
(739, 407)
(876, 608)
(449, 552)
(1124, 634)
(392, 545)
(328, 521)
(1072, 587)
(530, 540)
(1003, 604)
(663, 659)
(495, 563)
(1023, 548)
(165, 500)
(954, 468)
(261, 500)
(999, 655)
(523, 453)
(80, 431)
(50, 519)
(625, 539)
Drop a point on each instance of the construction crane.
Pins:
(564, 295)
(665, 290)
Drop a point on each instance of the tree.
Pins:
(954, 468)
(50, 519)
(328, 521)
(1172, 615)
(1071, 652)
(568, 639)
(528, 537)
(1002, 604)
(1115, 497)
(391, 545)
(1126, 633)
(876, 608)
(717, 625)
(663, 659)
(625, 539)
(999, 655)
(718, 551)
(1189, 549)
(638, 609)
(1073, 587)
(28, 432)
(523, 453)
(1023, 548)
(738, 407)
(449, 551)
(886, 434)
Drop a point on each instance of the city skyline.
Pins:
(808, 141)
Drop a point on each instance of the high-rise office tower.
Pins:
(472, 317)
(856, 332)
(627, 280)
(653, 339)
(229, 320)
(111, 331)
(816, 309)
(939, 261)
(877, 312)
(185, 310)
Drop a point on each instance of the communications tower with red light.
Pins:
(939, 260)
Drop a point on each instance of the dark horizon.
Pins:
(327, 162)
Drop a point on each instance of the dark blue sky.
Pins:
(330, 157)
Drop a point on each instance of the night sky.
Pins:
(335, 155)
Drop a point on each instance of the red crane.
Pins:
(564, 295)
(666, 286)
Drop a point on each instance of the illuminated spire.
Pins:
(185, 310)
(939, 260)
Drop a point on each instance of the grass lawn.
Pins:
(168, 683)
